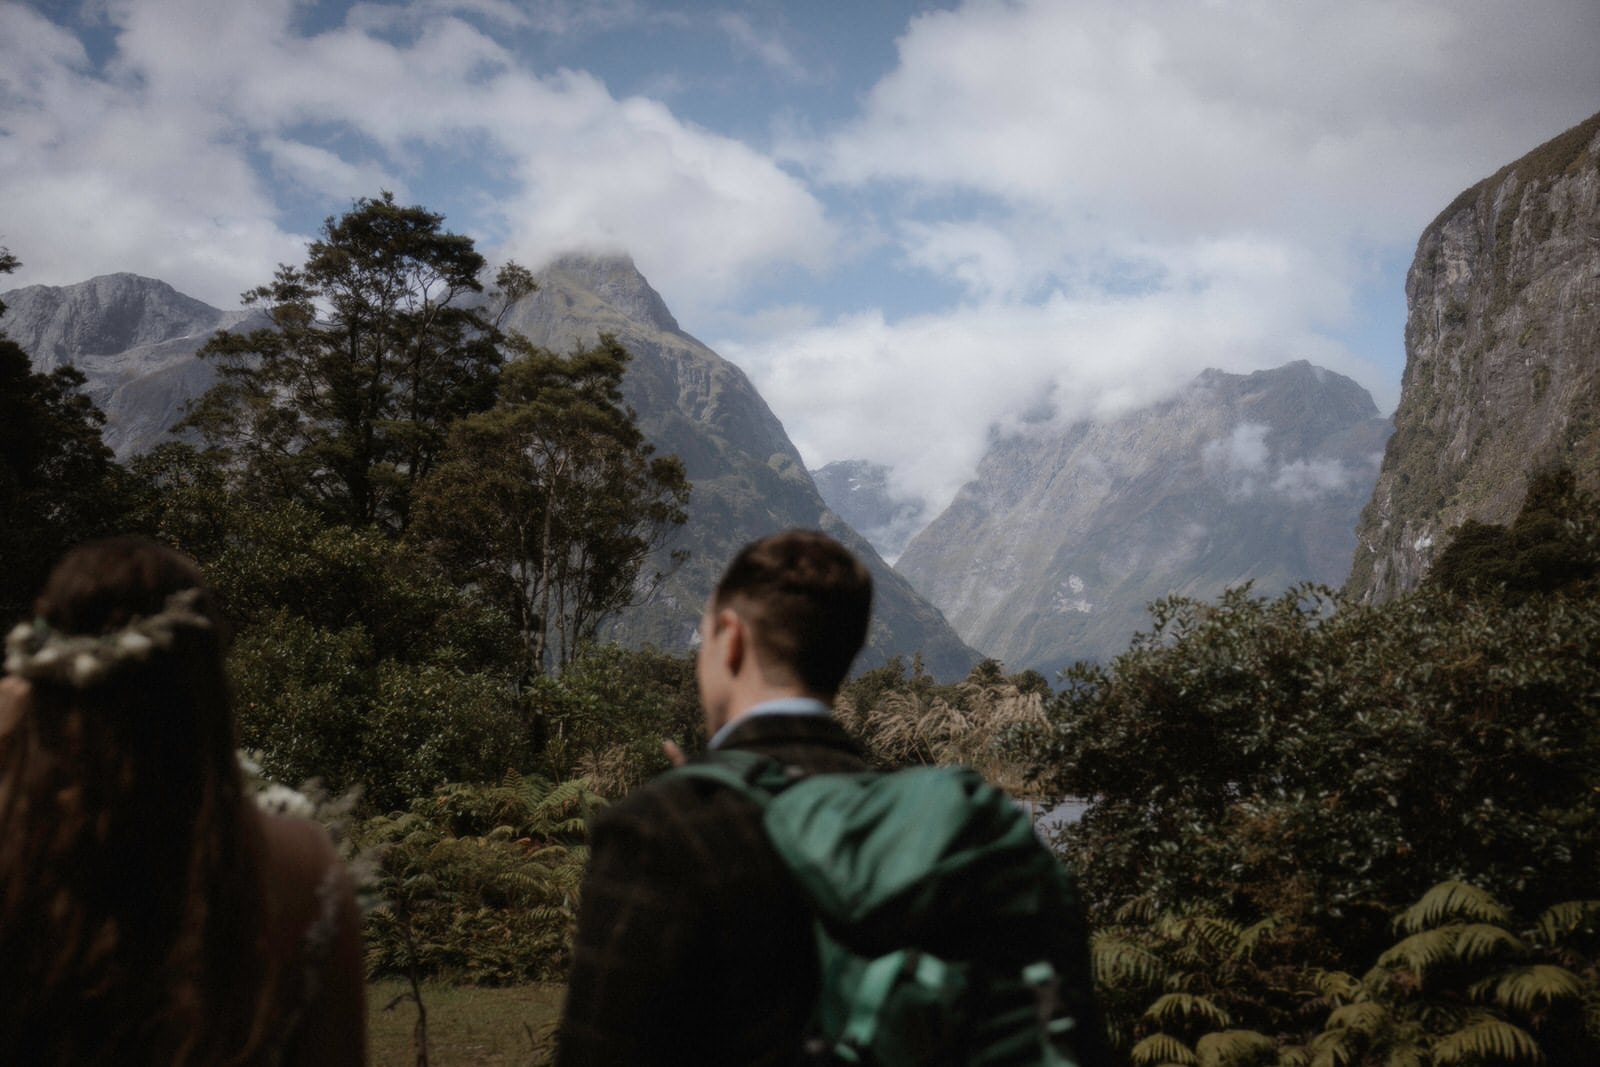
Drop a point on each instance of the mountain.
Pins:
(133, 338)
(1502, 360)
(1052, 552)
(860, 492)
(748, 478)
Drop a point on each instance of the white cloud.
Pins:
(1307, 479)
(766, 47)
(1129, 191)
(149, 165)
(924, 394)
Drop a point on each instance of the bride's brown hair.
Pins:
(130, 865)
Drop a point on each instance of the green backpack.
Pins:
(935, 902)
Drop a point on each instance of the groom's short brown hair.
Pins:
(807, 600)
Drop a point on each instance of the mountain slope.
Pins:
(748, 479)
(133, 338)
(1053, 551)
(1502, 359)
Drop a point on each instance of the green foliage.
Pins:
(1276, 757)
(605, 716)
(343, 403)
(552, 501)
(1553, 545)
(1464, 988)
(480, 882)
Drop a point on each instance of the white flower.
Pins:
(134, 644)
(85, 668)
(281, 800)
(47, 656)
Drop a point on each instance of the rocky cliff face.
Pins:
(133, 338)
(1053, 551)
(748, 479)
(860, 492)
(1502, 360)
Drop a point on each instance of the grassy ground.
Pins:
(467, 1026)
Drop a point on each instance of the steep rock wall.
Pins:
(1502, 360)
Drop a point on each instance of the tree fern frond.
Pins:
(1174, 1009)
(1530, 989)
(1338, 986)
(1487, 1041)
(1336, 1048)
(1363, 1018)
(1422, 950)
(1250, 937)
(1140, 911)
(1235, 1048)
(1219, 936)
(1294, 1056)
(1407, 1056)
(1481, 941)
(1161, 1049)
(1119, 963)
(1566, 919)
(1452, 902)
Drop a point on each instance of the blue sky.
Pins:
(910, 222)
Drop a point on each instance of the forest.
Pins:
(1318, 833)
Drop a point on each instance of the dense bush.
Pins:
(1280, 758)
(479, 882)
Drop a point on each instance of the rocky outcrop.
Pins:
(748, 478)
(1502, 360)
(134, 340)
(861, 493)
(1053, 551)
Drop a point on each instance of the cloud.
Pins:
(150, 162)
(1129, 191)
(768, 48)
(1307, 479)
(926, 394)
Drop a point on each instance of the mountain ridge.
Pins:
(1052, 551)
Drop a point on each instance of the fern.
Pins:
(1482, 941)
(1162, 1049)
(1537, 987)
(1180, 1009)
(1235, 1048)
(1487, 1041)
(1364, 1018)
(1118, 962)
(1452, 902)
(1565, 920)
(1424, 950)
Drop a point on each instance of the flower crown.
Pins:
(36, 652)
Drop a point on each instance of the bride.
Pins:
(149, 913)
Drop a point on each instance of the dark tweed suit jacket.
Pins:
(693, 946)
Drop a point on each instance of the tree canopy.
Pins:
(372, 348)
(552, 501)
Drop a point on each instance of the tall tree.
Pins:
(552, 501)
(375, 346)
(58, 481)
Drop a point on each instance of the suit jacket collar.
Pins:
(761, 731)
